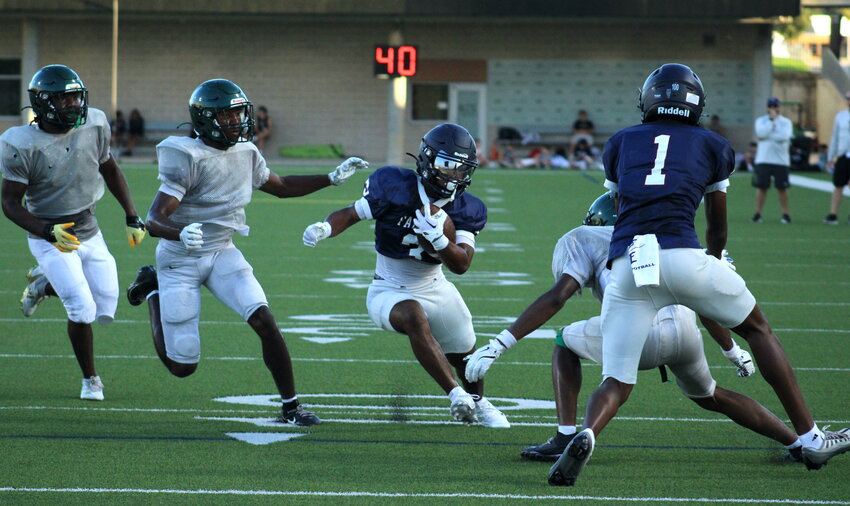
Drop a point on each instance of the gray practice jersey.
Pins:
(61, 171)
(212, 185)
(582, 253)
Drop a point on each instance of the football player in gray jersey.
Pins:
(59, 164)
(674, 341)
(205, 185)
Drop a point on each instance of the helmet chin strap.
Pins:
(425, 199)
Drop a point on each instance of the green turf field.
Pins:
(387, 435)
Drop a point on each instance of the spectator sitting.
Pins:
(584, 156)
(508, 157)
(747, 163)
(560, 161)
(823, 158)
(137, 130)
(262, 128)
(119, 130)
(582, 129)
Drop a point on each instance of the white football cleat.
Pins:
(92, 389)
(834, 443)
(489, 416)
(34, 292)
(463, 409)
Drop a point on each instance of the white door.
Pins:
(468, 108)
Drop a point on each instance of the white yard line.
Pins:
(354, 493)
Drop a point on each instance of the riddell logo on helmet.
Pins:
(674, 111)
(461, 155)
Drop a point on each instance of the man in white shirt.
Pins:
(838, 160)
(773, 158)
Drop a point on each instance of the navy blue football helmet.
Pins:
(447, 158)
(672, 91)
(602, 212)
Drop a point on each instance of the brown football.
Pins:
(448, 230)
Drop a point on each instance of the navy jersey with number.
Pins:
(662, 170)
(393, 195)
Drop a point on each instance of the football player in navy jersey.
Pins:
(661, 169)
(409, 293)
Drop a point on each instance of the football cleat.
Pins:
(92, 389)
(794, 455)
(785, 219)
(463, 409)
(834, 443)
(565, 471)
(551, 450)
(34, 292)
(744, 363)
(489, 416)
(144, 284)
(756, 218)
(831, 219)
(298, 416)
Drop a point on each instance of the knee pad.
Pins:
(184, 348)
(80, 307)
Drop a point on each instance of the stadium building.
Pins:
(317, 65)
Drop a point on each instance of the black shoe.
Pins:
(565, 471)
(144, 284)
(756, 218)
(298, 416)
(831, 219)
(785, 219)
(794, 455)
(548, 451)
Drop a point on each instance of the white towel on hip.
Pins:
(643, 255)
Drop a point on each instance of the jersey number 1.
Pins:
(655, 177)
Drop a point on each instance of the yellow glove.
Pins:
(64, 241)
(135, 230)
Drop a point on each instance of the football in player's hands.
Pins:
(448, 230)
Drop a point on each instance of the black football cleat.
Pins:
(551, 450)
(144, 284)
(565, 471)
(298, 416)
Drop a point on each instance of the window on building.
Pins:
(430, 101)
(10, 86)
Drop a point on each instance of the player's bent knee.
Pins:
(81, 309)
(184, 350)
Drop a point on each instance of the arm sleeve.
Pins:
(103, 139)
(175, 171)
(571, 258)
(261, 171)
(784, 131)
(14, 166)
(833, 141)
(609, 163)
(763, 127)
(374, 195)
(725, 167)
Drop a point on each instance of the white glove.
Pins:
(346, 169)
(192, 236)
(724, 257)
(316, 232)
(741, 359)
(479, 362)
(727, 261)
(431, 228)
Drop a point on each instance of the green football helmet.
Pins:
(45, 90)
(208, 108)
(602, 212)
